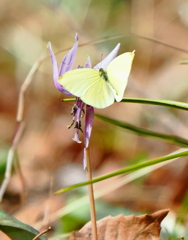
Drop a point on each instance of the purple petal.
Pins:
(78, 115)
(56, 71)
(105, 62)
(88, 62)
(76, 136)
(54, 63)
(85, 159)
(87, 131)
(68, 60)
(88, 124)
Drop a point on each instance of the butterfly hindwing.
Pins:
(99, 95)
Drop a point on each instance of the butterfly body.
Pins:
(103, 74)
(99, 88)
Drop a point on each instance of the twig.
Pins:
(41, 233)
(10, 158)
(91, 197)
(24, 87)
(19, 128)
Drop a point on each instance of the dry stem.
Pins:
(10, 158)
(91, 197)
(42, 233)
(20, 127)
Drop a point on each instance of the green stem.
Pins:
(128, 169)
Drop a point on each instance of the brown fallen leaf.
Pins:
(143, 227)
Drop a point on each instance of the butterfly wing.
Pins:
(78, 81)
(89, 86)
(99, 95)
(118, 72)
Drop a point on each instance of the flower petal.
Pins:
(76, 136)
(105, 62)
(88, 62)
(78, 111)
(68, 60)
(88, 124)
(85, 160)
(56, 71)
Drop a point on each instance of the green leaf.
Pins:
(144, 132)
(159, 102)
(135, 167)
(17, 230)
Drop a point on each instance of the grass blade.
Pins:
(182, 153)
(144, 132)
(159, 102)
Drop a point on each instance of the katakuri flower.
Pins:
(78, 109)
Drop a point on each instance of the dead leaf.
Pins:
(143, 227)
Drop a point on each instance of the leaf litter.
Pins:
(143, 227)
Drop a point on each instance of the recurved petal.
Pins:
(68, 60)
(88, 124)
(88, 62)
(54, 63)
(87, 131)
(105, 62)
(56, 71)
(76, 136)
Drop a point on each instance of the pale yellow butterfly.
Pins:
(99, 88)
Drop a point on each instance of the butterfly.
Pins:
(99, 88)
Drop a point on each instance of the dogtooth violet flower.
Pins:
(78, 109)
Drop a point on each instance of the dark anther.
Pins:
(74, 110)
(78, 125)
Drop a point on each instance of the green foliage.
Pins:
(159, 102)
(182, 213)
(17, 230)
(182, 153)
(145, 132)
(3, 156)
(75, 219)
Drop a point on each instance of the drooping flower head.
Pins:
(78, 109)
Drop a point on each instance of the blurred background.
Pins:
(48, 157)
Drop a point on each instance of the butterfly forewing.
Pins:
(78, 81)
(118, 72)
(89, 86)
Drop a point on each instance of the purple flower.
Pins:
(66, 65)
(88, 128)
(105, 62)
(78, 111)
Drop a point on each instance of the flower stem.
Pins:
(91, 197)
